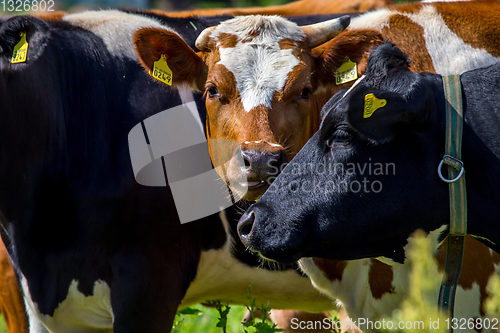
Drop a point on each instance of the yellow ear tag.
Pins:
(20, 50)
(161, 71)
(372, 104)
(347, 72)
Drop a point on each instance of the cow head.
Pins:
(264, 85)
(367, 179)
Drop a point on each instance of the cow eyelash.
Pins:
(341, 136)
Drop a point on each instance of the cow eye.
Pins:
(305, 93)
(341, 136)
(212, 91)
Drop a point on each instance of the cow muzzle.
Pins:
(260, 168)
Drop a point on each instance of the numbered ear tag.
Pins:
(161, 71)
(347, 72)
(372, 104)
(20, 50)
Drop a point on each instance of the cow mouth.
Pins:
(250, 190)
(252, 184)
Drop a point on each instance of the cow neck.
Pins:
(458, 193)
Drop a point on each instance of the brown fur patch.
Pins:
(380, 279)
(476, 23)
(226, 40)
(50, 17)
(300, 7)
(287, 43)
(251, 36)
(333, 269)
(11, 297)
(477, 267)
(413, 44)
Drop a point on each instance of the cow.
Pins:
(440, 37)
(96, 251)
(294, 8)
(260, 77)
(347, 235)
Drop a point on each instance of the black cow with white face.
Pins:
(95, 250)
(366, 180)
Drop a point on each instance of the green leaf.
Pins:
(264, 327)
(190, 311)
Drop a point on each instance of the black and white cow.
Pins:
(96, 251)
(393, 155)
(362, 185)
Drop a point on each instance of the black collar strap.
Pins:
(458, 192)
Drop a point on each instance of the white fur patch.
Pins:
(378, 19)
(220, 276)
(77, 313)
(448, 51)
(259, 66)
(116, 28)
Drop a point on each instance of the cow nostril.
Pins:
(247, 155)
(245, 226)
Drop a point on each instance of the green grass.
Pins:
(206, 321)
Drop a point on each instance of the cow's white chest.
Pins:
(76, 314)
(259, 70)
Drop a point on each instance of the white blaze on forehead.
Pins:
(257, 62)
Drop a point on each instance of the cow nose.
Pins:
(245, 225)
(269, 163)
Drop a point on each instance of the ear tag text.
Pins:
(347, 72)
(20, 50)
(372, 104)
(161, 71)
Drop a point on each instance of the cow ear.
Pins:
(36, 33)
(185, 64)
(380, 115)
(353, 44)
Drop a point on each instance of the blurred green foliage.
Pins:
(3, 327)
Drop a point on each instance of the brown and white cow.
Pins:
(264, 84)
(443, 38)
